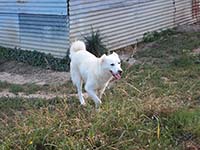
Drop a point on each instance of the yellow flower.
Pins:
(31, 142)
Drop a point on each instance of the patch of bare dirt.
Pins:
(39, 95)
(189, 28)
(126, 54)
(19, 73)
(191, 145)
(196, 51)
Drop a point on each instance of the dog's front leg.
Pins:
(102, 90)
(93, 95)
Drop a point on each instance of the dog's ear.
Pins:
(103, 57)
(114, 54)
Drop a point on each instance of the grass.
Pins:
(16, 88)
(33, 88)
(154, 106)
(170, 49)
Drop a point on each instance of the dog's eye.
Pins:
(119, 62)
(112, 64)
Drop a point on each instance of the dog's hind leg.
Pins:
(76, 79)
(80, 94)
(93, 95)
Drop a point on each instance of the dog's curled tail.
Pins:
(77, 46)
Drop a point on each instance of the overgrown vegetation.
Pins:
(94, 43)
(156, 105)
(156, 35)
(175, 49)
(35, 58)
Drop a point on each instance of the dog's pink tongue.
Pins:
(117, 76)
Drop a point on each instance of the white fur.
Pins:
(95, 72)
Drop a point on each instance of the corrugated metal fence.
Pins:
(35, 25)
(49, 25)
(123, 22)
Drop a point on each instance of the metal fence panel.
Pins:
(9, 30)
(49, 25)
(123, 22)
(35, 25)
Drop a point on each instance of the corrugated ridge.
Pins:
(123, 23)
(35, 25)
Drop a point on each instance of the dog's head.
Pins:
(112, 64)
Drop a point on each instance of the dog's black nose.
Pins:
(120, 71)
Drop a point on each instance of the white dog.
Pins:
(95, 72)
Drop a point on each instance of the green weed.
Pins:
(156, 35)
(36, 58)
(94, 43)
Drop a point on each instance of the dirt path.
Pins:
(19, 73)
(47, 96)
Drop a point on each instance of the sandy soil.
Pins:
(19, 73)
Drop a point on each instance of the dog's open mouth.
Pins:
(117, 76)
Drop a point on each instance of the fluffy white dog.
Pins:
(95, 72)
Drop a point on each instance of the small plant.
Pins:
(94, 43)
(16, 88)
(156, 35)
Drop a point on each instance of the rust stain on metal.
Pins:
(196, 9)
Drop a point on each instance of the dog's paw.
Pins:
(97, 105)
(98, 110)
(83, 104)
